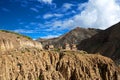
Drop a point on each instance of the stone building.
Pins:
(73, 47)
(67, 46)
(60, 47)
(49, 47)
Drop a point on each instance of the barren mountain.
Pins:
(11, 40)
(24, 59)
(106, 42)
(74, 36)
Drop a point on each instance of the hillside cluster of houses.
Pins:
(65, 47)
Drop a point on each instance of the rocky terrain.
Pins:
(74, 36)
(36, 64)
(11, 40)
(21, 58)
(106, 42)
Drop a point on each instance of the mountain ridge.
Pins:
(74, 36)
(25, 59)
(106, 42)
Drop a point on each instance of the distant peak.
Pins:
(77, 28)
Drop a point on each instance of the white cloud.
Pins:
(23, 31)
(58, 15)
(46, 16)
(46, 1)
(34, 9)
(67, 6)
(50, 36)
(100, 13)
(95, 13)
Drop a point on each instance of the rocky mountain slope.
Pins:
(24, 59)
(11, 40)
(106, 42)
(74, 36)
(35, 64)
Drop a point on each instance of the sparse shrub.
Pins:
(27, 49)
(16, 34)
(57, 49)
(98, 53)
(37, 79)
(17, 58)
(83, 52)
(19, 64)
(22, 51)
(18, 37)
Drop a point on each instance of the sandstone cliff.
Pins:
(10, 40)
(35, 64)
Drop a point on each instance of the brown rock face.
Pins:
(106, 42)
(24, 59)
(34, 64)
(9, 41)
(74, 36)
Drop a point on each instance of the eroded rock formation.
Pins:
(34, 64)
(24, 59)
(9, 41)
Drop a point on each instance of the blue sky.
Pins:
(52, 18)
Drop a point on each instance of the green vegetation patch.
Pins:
(16, 34)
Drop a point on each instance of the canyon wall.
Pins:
(36, 64)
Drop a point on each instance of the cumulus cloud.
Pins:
(46, 16)
(100, 13)
(46, 1)
(95, 13)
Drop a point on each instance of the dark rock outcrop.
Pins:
(106, 42)
(74, 36)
